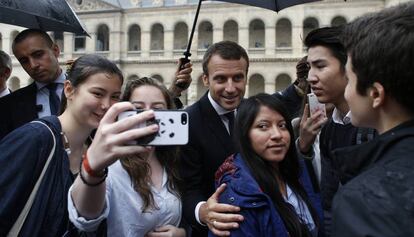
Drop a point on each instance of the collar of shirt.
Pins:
(60, 80)
(220, 110)
(5, 92)
(336, 117)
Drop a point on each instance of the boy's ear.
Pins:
(377, 94)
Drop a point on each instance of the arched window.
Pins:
(309, 24)
(134, 38)
(157, 37)
(283, 33)
(256, 34)
(102, 38)
(338, 21)
(205, 35)
(231, 31)
(201, 88)
(13, 83)
(80, 43)
(282, 82)
(256, 84)
(58, 39)
(158, 77)
(180, 35)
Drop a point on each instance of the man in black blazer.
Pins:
(38, 55)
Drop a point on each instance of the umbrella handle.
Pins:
(183, 62)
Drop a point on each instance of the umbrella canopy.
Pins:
(47, 15)
(275, 5)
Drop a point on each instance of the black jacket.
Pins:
(380, 200)
(17, 109)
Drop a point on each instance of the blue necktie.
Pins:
(54, 100)
(230, 117)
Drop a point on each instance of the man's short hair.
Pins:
(29, 32)
(5, 60)
(227, 50)
(381, 46)
(328, 37)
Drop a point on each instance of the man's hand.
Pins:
(219, 217)
(182, 77)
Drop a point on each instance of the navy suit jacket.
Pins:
(17, 109)
(209, 145)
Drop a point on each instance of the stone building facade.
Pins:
(146, 37)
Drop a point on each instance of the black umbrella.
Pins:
(47, 15)
(275, 5)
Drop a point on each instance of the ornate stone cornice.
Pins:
(91, 5)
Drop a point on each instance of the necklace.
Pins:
(65, 143)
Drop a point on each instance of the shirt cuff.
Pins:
(196, 213)
(308, 156)
(82, 223)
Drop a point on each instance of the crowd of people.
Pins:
(259, 166)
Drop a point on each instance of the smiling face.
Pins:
(226, 80)
(38, 58)
(148, 97)
(326, 77)
(90, 100)
(269, 135)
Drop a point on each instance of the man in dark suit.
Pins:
(225, 66)
(38, 55)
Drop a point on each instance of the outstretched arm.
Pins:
(107, 147)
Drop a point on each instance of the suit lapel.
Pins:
(215, 124)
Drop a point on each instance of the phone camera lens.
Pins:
(184, 118)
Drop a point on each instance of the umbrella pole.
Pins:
(187, 53)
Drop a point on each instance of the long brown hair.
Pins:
(137, 167)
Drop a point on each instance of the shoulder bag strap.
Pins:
(14, 231)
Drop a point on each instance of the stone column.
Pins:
(270, 40)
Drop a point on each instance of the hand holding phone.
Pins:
(173, 127)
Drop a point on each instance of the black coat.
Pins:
(380, 200)
(17, 109)
(209, 145)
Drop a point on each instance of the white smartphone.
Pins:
(315, 105)
(173, 128)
